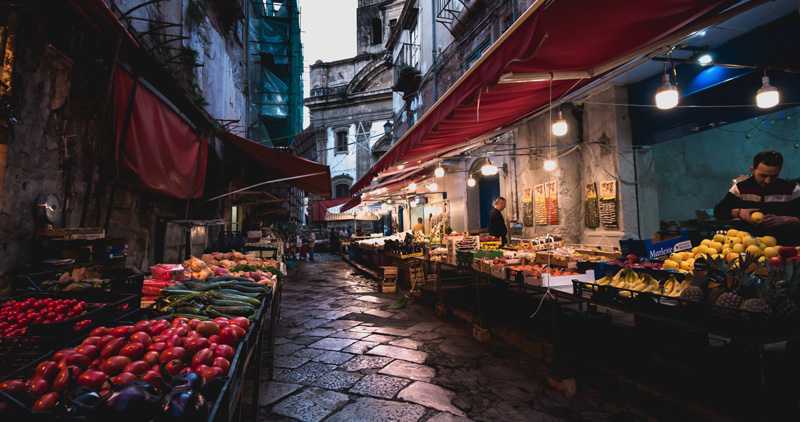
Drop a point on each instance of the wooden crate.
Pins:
(388, 285)
(384, 272)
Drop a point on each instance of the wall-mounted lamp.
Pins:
(387, 128)
(470, 182)
(488, 169)
(768, 96)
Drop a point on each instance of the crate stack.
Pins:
(388, 276)
(456, 244)
(409, 271)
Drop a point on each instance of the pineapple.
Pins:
(737, 278)
(766, 293)
(697, 290)
(722, 265)
(789, 285)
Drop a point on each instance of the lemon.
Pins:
(749, 241)
(705, 242)
(743, 234)
(670, 265)
(733, 232)
(762, 246)
(769, 240)
(726, 251)
(719, 238)
(686, 255)
(758, 217)
(694, 250)
(739, 248)
(685, 265)
(677, 257)
(753, 250)
(717, 246)
(734, 240)
(770, 251)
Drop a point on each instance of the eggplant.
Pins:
(131, 403)
(184, 405)
(188, 380)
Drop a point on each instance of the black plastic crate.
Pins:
(124, 280)
(40, 339)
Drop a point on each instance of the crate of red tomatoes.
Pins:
(33, 324)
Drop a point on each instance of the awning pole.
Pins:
(266, 183)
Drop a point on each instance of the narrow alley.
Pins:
(341, 355)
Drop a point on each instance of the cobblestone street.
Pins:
(342, 355)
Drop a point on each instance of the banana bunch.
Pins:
(625, 278)
(673, 289)
(647, 284)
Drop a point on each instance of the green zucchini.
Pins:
(232, 310)
(244, 299)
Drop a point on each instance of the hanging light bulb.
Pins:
(560, 126)
(439, 172)
(470, 182)
(667, 94)
(549, 165)
(400, 167)
(768, 96)
(389, 200)
(488, 169)
(414, 202)
(412, 186)
(433, 187)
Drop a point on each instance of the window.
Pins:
(477, 53)
(342, 190)
(341, 142)
(377, 31)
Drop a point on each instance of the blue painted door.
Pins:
(489, 188)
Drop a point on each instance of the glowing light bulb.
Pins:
(400, 167)
(488, 169)
(560, 126)
(433, 187)
(470, 182)
(439, 172)
(549, 165)
(705, 59)
(667, 94)
(768, 96)
(412, 187)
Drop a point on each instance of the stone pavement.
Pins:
(342, 355)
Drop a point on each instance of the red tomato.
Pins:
(104, 340)
(159, 327)
(228, 336)
(112, 348)
(224, 351)
(241, 322)
(158, 347)
(46, 403)
(143, 326)
(62, 380)
(38, 386)
(193, 323)
(151, 357)
(194, 334)
(123, 378)
(14, 388)
(91, 340)
(200, 368)
(223, 364)
(61, 354)
(77, 359)
(99, 332)
(132, 350)
(141, 337)
(122, 331)
(174, 367)
(47, 370)
(174, 341)
(172, 353)
(203, 357)
(137, 367)
(196, 344)
(211, 373)
(179, 321)
(92, 379)
(115, 364)
(96, 363)
(153, 378)
(90, 350)
(181, 330)
(208, 328)
(214, 339)
(185, 341)
(240, 332)
(222, 322)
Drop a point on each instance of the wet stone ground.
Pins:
(342, 355)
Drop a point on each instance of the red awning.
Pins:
(565, 37)
(161, 152)
(353, 202)
(306, 175)
(319, 208)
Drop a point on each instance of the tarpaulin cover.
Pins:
(319, 208)
(353, 202)
(281, 165)
(563, 36)
(161, 152)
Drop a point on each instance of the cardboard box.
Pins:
(499, 271)
(663, 243)
(547, 280)
(486, 266)
(543, 258)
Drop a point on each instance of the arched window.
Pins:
(342, 190)
(341, 142)
(377, 31)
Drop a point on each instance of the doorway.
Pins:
(488, 191)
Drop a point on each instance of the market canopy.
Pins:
(566, 43)
(320, 207)
(301, 173)
(353, 202)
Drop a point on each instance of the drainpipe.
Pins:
(433, 50)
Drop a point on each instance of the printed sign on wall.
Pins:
(539, 201)
(591, 213)
(608, 205)
(551, 203)
(527, 207)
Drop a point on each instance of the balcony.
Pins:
(453, 13)
(407, 75)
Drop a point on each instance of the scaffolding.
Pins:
(275, 71)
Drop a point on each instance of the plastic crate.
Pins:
(39, 339)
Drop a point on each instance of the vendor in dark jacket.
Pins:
(777, 199)
(497, 224)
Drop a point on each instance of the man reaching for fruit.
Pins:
(766, 204)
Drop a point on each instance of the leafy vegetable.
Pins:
(245, 267)
(276, 271)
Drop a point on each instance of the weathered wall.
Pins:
(695, 172)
